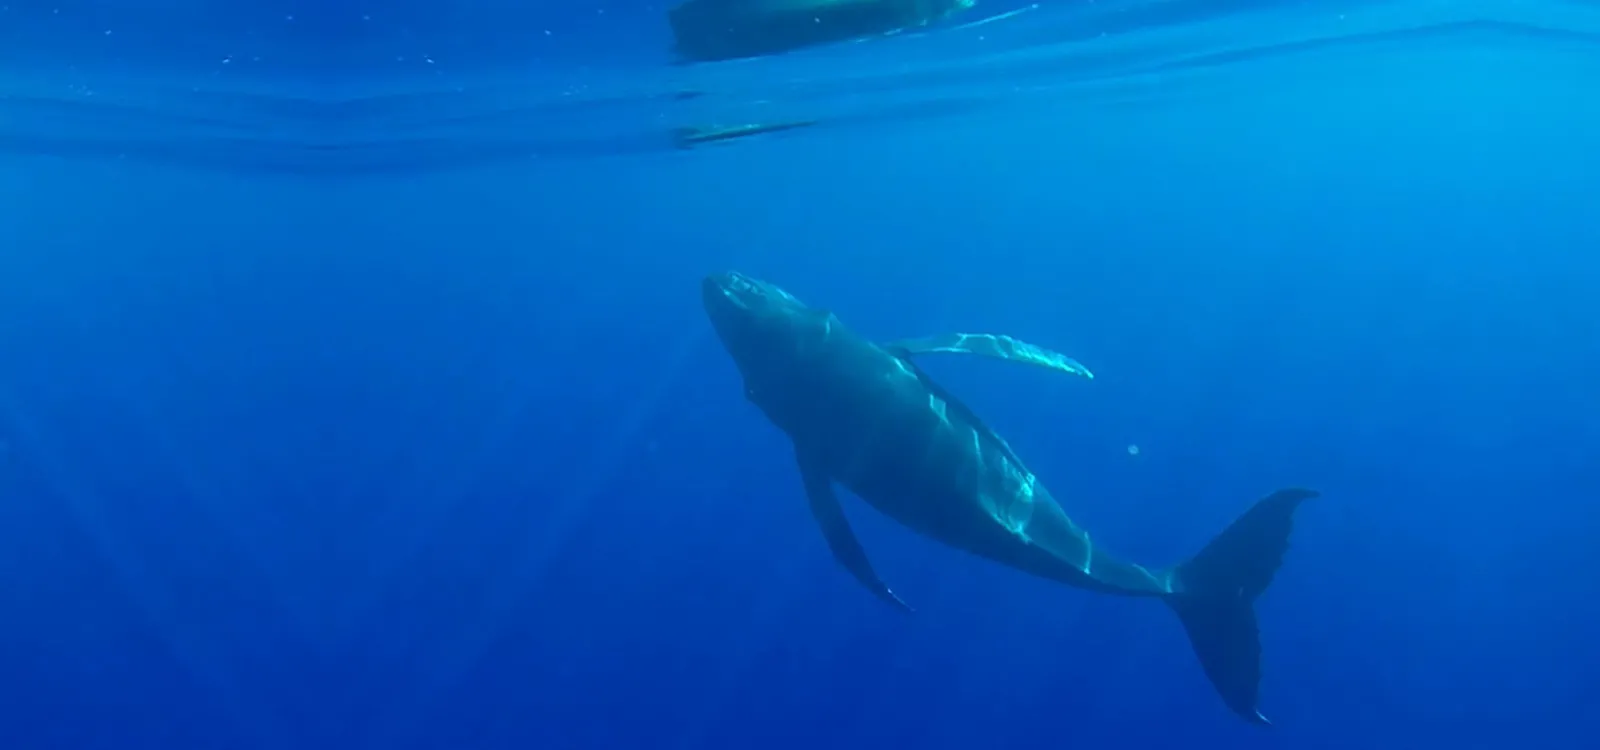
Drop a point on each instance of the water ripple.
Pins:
(1112, 55)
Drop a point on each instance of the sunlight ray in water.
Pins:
(428, 380)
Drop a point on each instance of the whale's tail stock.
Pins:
(1215, 593)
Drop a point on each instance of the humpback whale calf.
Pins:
(866, 417)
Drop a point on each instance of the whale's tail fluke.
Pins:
(1216, 592)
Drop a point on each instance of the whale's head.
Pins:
(762, 327)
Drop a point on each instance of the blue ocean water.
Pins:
(355, 390)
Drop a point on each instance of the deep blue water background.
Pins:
(354, 390)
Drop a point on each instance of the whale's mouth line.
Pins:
(736, 284)
(734, 298)
(751, 294)
(719, 291)
(740, 290)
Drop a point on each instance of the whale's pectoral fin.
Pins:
(841, 539)
(991, 345)
(1215, 591)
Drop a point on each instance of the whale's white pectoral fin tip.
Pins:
(997, 346)
(1262, 719)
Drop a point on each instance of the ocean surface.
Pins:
(355, 390)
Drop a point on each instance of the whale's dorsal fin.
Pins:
(836, 529)
(998, 346)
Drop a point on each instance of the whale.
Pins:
(866, 417)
